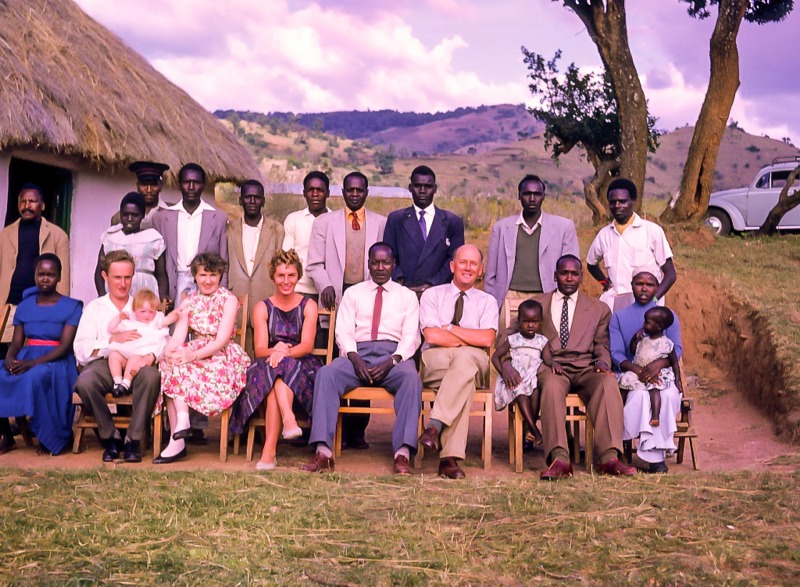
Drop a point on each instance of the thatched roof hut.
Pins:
(72, 87)
(76, 107)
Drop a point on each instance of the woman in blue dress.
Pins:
(39, 370)
(284, 327)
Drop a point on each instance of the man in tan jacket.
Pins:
(20, 243)
(252, 242)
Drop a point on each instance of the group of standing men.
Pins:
(391, 280)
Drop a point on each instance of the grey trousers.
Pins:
(339, 377)
(95, 381)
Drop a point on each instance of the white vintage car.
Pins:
(746, 208)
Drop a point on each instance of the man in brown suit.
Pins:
(252, 242)
(576, 327)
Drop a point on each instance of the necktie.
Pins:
(376, 312)
(354, 221)
(563, 331)
(459, 312)
(422, 226)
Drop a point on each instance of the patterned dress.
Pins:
(526, 357)
(648, 350)
(212, 384)
(297, 374)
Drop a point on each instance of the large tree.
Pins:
(580, 110)
(691, 202)
(605, 20)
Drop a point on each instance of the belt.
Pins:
(148, 271)
(40, 342)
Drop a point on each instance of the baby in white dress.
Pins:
(153, 330)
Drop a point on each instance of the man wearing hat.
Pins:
(149, 181)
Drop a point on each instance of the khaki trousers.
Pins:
(601, 395)
(8, 331)
(453, 372)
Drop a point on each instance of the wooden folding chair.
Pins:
(325, 353)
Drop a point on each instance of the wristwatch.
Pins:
(395, 361)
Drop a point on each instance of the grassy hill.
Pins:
(477, 153)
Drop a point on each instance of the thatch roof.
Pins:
(70, 86)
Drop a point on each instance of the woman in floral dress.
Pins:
(207, 373)
(284, 327)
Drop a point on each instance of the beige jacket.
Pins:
(51, 240)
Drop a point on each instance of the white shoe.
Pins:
(291, 433)
(266, 466)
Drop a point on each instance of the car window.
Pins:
(763, 182)
(779, 179)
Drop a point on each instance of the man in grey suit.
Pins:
(523, 249)
(338, 256)
(340, 241)
(190, 227)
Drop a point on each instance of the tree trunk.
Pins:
(698, 172)
(785, 203)
(594, 190)
(608, 28)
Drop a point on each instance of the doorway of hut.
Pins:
(56, 184)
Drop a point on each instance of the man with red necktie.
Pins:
(377, 330)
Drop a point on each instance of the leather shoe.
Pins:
(430, 438)
(132, 453)
(182, 434)
(7, 443)
(401, 465)
(319, 464)
(111, 452)
(558, 469)
(160, 460)
(655, 468)
(449, 468)
(616, 467)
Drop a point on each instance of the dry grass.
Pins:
(213, 528)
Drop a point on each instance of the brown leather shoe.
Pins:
(319, 464)
(616, 467)
(401, 465)
(449, 468)
(557, 470)
(430, 439)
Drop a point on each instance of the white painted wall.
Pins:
(95, 199)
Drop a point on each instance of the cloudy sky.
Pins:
(432, 55)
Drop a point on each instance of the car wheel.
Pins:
(719, 222)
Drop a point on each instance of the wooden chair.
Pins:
(484, 398)
(5, 310)
(241, 333)
(326, 353)
(576, 413)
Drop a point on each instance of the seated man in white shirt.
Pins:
(95, 380)
(377, 330)
(459, 322)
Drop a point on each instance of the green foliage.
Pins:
(753, 149)
(577, 109)
(384, 160)
(757, 11)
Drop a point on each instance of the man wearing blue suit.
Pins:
(523, 249)
(423, 236)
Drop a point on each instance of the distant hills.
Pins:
(474, 151)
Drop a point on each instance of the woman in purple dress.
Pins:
(284, 327)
